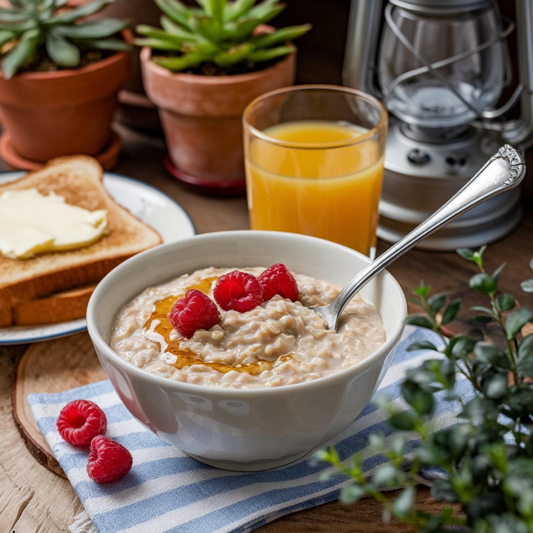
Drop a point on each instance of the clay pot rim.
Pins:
(198, 79)
(69, 73)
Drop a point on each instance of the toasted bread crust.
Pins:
(60, 280)
(6, 316)
(60, 307)
(79, 180)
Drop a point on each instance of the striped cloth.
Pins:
(167, 491)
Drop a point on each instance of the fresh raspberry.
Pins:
(278, 280)
(80, 421)
(108, 460)
(239, 291)
(194, 311)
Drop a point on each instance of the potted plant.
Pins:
(201, 70)
(59, 81)
(135, 109)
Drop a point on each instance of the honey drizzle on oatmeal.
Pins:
(187, 357)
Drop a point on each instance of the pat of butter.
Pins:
(32, 223)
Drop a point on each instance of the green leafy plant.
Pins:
(220, 32)
(31, 25)
(486, 459)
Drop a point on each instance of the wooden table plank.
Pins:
(33, 499)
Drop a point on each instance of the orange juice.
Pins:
(318, 180)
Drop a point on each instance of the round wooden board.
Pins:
(53, 366)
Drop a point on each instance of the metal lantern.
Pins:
(440, 67)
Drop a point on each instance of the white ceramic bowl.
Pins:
(244, 429)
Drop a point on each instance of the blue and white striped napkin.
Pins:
(166, 491)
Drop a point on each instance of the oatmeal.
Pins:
(279, 342)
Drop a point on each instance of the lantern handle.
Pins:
(433, 67)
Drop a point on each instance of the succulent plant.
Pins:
(220, 32)
(30, 25)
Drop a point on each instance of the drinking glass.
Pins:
(314, 163)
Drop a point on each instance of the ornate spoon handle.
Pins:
(503, 171)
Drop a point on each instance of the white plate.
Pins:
(146, 202)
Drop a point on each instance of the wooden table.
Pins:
(32, 499)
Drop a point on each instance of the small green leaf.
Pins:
(421, 345)
(176, 64)
(94, 29)
(157, 44)
(442, 490)
(525, 356)
(158, 34)
(237, 9)
(495, 386)
(451, 311)
(6, 36)
(481, 309)
(478, 256)
(233, 56)
(351, 494)
(463, 347)
(376, 441)
(209, 28)
(117, 45)
(483, 283)
(387, 475)
(13, 16)
(491, 354)
(505, 302)
(240, 30)
(178, 31)
(72, 15)
(520, 400)
(263, 8)
(176, 11)
(419, 320)
(281, 36)
(403, 421)
(436, 302)
(517, 320)
(403, 504)
(498, 271)
(322, 455)
(417, 397)
(527, 286)
(422, 290)
(22, 53)
(466, 253)
(216, 8)
(62, 52)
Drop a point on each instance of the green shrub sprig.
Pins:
(487, 457)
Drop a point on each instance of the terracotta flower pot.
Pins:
(66, 112)
(202, 116)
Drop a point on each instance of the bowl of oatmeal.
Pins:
(212, 344)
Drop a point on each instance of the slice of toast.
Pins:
(79, 180)
(59, 307)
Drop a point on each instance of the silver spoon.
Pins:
(503, 171)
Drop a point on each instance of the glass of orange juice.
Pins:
(314, 163)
